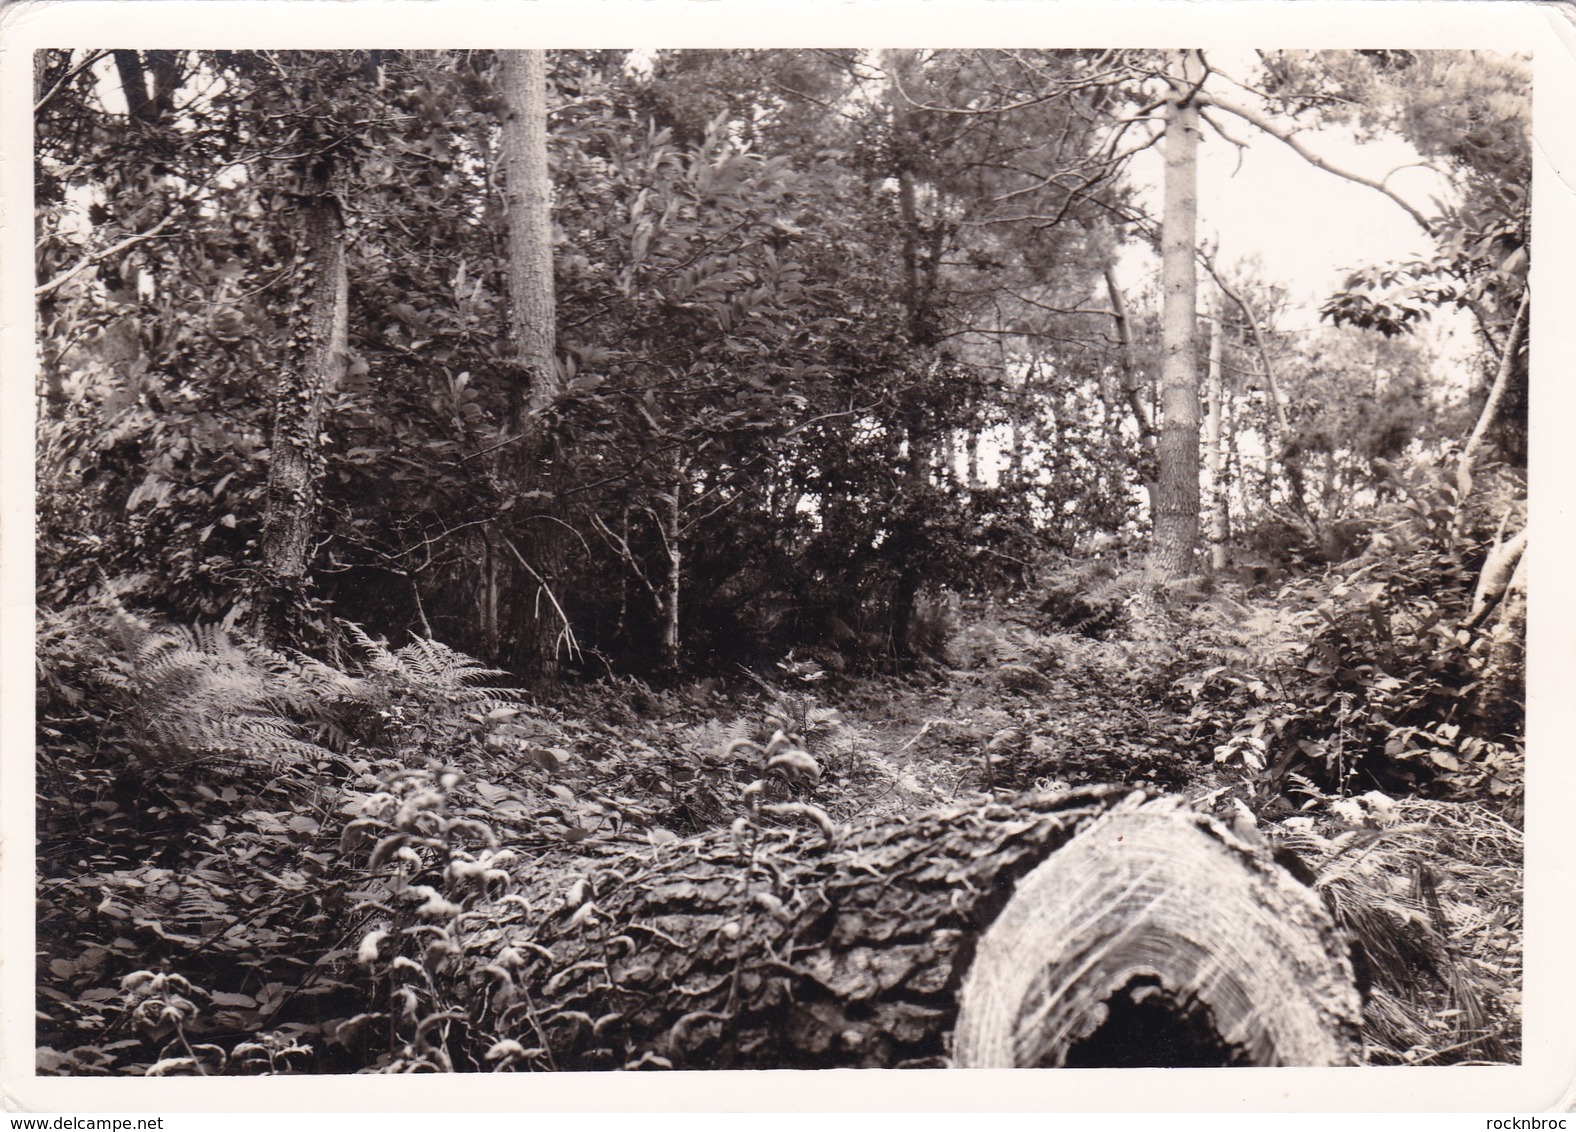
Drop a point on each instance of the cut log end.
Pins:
(1156, 938)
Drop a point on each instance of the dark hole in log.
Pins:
(1146, 1028)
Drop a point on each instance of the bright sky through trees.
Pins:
(1306, 228)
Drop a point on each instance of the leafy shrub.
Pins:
(1364, 675)
(192, 897)
(1088, 596)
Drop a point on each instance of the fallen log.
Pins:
(792, 948)
(1157, 938)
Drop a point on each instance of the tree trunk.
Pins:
(1018, 406)
(134, 87)
(795, 948)
(532, 300)
(1216, 497)
(1501, 694)
(1132, 390)
(1177, 503)
(670, 539)
(1507, 362)
(164, 66)
(295, 465)
(1285, 447)
(909, 535)
(538, 623)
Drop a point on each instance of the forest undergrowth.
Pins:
(252, 861)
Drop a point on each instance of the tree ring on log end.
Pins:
(1155, 937)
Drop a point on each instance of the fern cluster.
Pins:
(210, 696)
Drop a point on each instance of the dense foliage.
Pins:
(851, 460)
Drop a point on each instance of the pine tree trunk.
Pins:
(539, 629)
(533, 317)
(1177, 497)
(792, 948)
(295, 466)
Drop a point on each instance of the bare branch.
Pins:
(1057, 90)
(43, 291)
(1254, 118)
(61, 83)
(1276, 398)
(1129, 363)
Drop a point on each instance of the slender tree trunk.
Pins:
(295, 465)
(1177, 511)
(909, 537)
(490, 574)
(538, 622)
(1018, 409)
(1507, 364)
(670, 539)
(532, 301)
(1132, 390)
(921, 253)
(1215, 463)
(1285, 443)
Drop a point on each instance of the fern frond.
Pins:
(378, 658)
(428, 660)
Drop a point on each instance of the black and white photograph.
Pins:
(557, 559)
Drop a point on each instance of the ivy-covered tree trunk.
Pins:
(1177, 495)
(538, 625)
(806, 948)
(305, 383)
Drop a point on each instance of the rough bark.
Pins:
(1157, 938)
(539, 629)
(532, 302)
(787, 948)
(295, 464)
(1177, 495)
